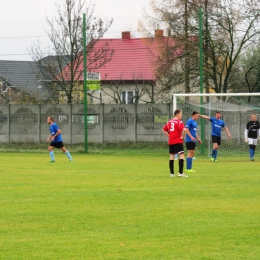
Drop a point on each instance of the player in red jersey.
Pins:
(175, 131)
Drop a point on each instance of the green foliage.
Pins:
(125, 206)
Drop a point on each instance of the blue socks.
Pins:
(68, 155)
(214, 154)
(52, 155)
(251, 153)
(188, 163)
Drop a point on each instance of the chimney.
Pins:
(126, 35)
(158, 33)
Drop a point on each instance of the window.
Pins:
(129, 96)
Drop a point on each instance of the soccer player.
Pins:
(190, 139)
(56, 139)
(217, 124)
(175, 131)
(252, 127)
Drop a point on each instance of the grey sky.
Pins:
(13, 10)
(23, 22)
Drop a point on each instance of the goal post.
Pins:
(236, 112)
(210, 95)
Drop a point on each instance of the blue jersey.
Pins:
(53, 130)
(191, 125)
(217, 125)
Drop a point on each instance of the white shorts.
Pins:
(252, 141)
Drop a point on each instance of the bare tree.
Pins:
(178, 64)
(248, 78)
(232, 29)
(230, 26)
(66, 36)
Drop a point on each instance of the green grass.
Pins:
(106, 148)
(119, 205)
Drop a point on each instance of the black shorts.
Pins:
(190, 145)
(216, 139)
(57, 144)
(176, 148)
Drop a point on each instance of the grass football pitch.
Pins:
(126, 206)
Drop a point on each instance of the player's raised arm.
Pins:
(205, 117)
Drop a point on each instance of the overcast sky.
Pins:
(23, 21)
(15, 10)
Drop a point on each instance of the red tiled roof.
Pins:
(133, 59)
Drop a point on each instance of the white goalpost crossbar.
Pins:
(209, 95)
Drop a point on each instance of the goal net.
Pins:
(236, 110)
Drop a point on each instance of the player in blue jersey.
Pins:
(190, 139)
(56, 139)
(217, 124)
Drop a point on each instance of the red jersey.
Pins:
(174, 127)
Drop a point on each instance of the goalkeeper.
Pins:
(252, 127)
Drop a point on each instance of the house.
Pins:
(17, 78)
(131, 74)
(30, 80)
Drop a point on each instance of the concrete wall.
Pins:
(106, 122)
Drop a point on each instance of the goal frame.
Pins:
(202, 95)
(210, 95)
